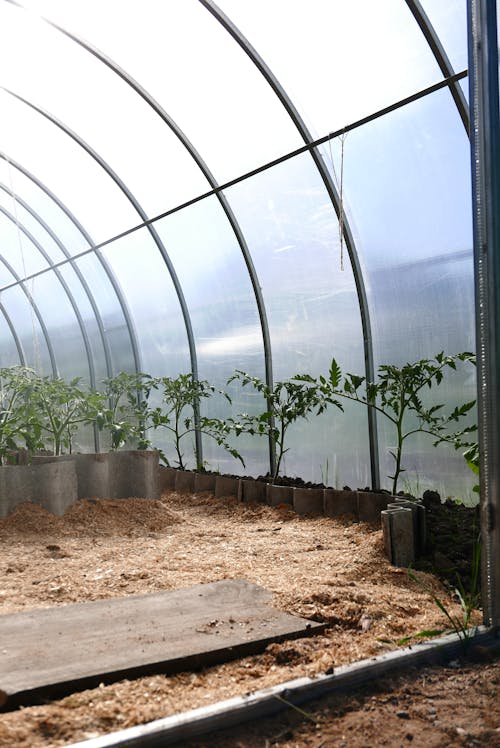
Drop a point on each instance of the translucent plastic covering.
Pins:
(171, 180)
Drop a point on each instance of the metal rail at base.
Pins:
(269, 701)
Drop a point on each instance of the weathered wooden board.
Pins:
(47, 652)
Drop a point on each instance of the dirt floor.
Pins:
(329, 570)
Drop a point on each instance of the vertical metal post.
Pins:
(485, 151)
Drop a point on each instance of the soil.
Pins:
(329, 570)
(453, 539)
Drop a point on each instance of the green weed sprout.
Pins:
(469, 601)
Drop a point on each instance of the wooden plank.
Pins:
(51, 651)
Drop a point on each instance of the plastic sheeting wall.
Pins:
(116, 113)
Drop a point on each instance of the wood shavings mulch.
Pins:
(329, 570)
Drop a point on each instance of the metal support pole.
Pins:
(485, 151)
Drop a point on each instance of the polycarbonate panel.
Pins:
(143, 277)
(118, 334)
(17, 248)
(45, 206)
(449, 19)
(224, 316)
(66, 169)
(32, 226)
(189, 63)
(62, 326)
(407, 192)
(338, 60)
(6, 277)
(86, 311)
(127, 132)
(28, 329)
(312, 307)
(9, 353)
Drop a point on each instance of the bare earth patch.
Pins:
(323, 569)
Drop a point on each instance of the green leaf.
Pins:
(335, 374)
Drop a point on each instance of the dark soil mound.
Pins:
(453, 532)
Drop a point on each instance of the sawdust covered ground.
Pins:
(324, 569)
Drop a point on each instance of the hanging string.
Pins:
(36, 349)
(340, 189)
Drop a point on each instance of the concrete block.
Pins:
(308, 500)
(253, 490)
(204, 482)
(92, 472)
(43, 459)
(336, 503)
(278, 495)
(386, 532)
(55, 485)
(184, 481)
(370, 504)
(397, 526)
(225, 486)
(16, 486)
(133, 473)
(166, 478)
(419, 514)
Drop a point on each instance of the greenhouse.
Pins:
(259, 239)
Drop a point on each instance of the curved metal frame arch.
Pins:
(36, 311)
(109, 273)
(17, 342)
(77, 271)
(142, 213)
(81, 323)
(334, 197)
(442, 59)
(175, 129)
(57, 272)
